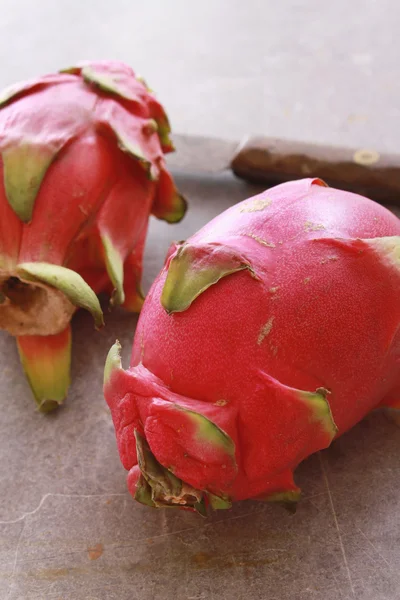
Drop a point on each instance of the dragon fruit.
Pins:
(82, 167)
(267, 334)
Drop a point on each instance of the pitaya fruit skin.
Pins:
(271, 331)
(81, 169)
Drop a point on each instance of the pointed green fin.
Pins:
(12, 91)
(164, 130)
(171, 209)
(22, 88)
(136, 151)
(67, 281)
(287, 500)
(133, 137)
(46, 361)
(168, 204)
(200, 507)
(158, 113)
(208, 432)
(113, 79)
(282, 491)
(115, 270)
(113, 361)
(218, 502)
(320, 409)
(108, 82)
(194, 269)
(133, 291)
(24, 169)
(387, 247)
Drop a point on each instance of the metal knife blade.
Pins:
(198, 154)
(271, 161)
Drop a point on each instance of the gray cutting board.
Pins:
(70, 531)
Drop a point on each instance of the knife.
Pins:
(270, 161)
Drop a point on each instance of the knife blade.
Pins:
(271, 160)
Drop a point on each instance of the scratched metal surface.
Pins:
(68, 528)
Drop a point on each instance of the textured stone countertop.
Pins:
(68, 528)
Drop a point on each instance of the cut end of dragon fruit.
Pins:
(40, 298)
(156, 428)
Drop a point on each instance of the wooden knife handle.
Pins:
(264, 160)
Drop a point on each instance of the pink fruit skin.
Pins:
(322, 311)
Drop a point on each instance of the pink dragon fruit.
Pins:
(267, 334)
(82, 167)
